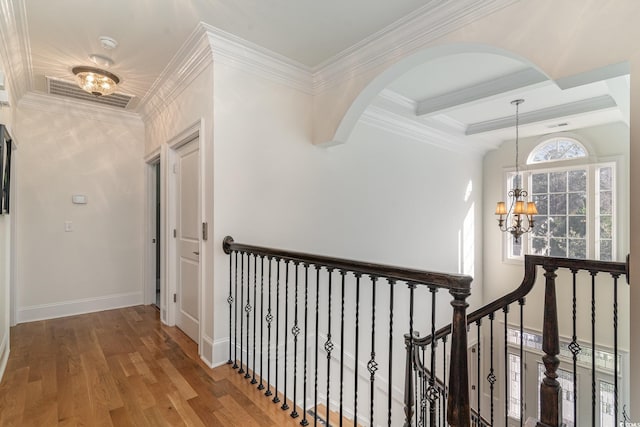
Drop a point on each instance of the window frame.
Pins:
(592, 234)
(556, 139)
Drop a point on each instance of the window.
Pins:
(556, 149)
(515, 376)
(607, 405)
(576, 204)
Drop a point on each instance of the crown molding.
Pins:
(15, 49)
(413, 129)
(59, 105)
(402, 38)
(193, 57)
(235, 51)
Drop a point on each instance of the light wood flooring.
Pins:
(120, 368)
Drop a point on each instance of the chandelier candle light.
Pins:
(520, 211)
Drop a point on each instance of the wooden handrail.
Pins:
(529, 279)
(419, 277)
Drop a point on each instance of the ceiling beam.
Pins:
(551, 113)
(599, 74)
(480, 92)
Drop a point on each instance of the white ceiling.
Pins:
(63, 33)
(466, 96)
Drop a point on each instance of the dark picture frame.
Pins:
(5, 170)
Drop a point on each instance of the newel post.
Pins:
(458, 410)
(550, 390)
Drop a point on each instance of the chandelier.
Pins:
(518, 220)
(96, 81)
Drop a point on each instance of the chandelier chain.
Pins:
(517, 136)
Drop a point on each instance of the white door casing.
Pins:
(187, 173)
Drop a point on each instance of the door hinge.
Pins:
(175, 233)
(175, 168)
(175, 298)
(205, 231)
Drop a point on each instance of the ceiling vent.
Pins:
(71, 90)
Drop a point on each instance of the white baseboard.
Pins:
(79, 306)
(220, 352)
(206, 352)
(4, 353)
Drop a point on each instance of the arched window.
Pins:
(555, 149)
(575, 202)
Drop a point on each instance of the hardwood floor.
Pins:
(120, 368)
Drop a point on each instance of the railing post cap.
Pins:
(226, 244)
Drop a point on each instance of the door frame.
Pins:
(149, 291)
(190, 133)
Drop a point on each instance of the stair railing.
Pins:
(284, 335)
(422, 358)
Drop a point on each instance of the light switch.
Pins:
(68, 226)
(79, 199)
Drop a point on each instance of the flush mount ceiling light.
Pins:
(96, 81)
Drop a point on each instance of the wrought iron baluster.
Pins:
(444, 376)
(593, 344)
(295, 331)
(390, 387)
(269, 320)
(328, 345)
(492, 376)
(317, 337)
(521, 304)
(574, 347)
(615, 346)
(230, 302)
(247, 309)
(241, 370)
(235, 322)
(342, 274)
(417, 388)
(261, 386)
(431, 390)
(410, 391)
(285, 405)
(423, 389)
(304, 421)
(506, 366)
(355, 375)
(372, 365)
(255, 270)
(276, 399)
(479, 361)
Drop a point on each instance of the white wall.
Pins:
(606, 142)
(379, 198)
(6, 262)
(66, 151)
(192, 103)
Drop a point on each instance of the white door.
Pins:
(188, 239)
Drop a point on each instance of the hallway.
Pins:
(119, 368)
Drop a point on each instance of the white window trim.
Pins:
(565, 165)
(555, 139)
